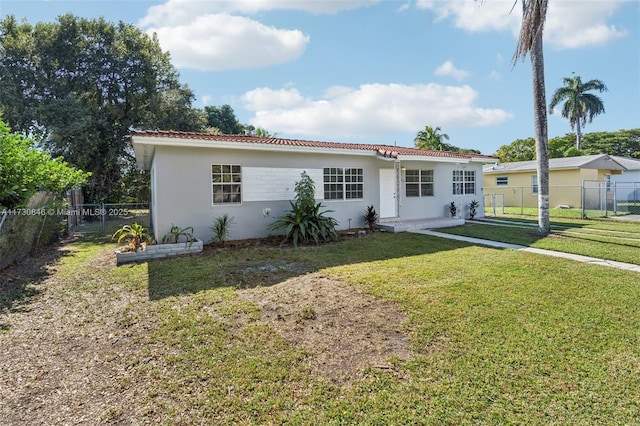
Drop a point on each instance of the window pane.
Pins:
(427, 189)
(412, 176)
(226, 179)
(412, 190)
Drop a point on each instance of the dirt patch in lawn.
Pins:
(343, 330)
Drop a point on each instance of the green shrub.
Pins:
(453, 209)
(305, 221)
(473, 208)
(371, 217)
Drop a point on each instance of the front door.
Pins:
(387, 193)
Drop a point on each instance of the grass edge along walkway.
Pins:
(498, 244)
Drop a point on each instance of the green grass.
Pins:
(499, 336)
(553, 212)
(619, 241)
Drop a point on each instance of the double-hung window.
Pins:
(226, 183)
(464, 182)
(343, 183)
(419, 183)
(534, 184)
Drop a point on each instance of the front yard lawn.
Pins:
(384, 329)
(601, 239)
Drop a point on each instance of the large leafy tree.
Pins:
(518, 150)
(579, 106)
(625, 143)
(224, 119)
(79, 85)
(525, 149)
(24, 170)
(430, 138)
(534, 13)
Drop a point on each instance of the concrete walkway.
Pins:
(497, 244)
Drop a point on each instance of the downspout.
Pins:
(396, 166)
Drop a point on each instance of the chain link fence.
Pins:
(592, 198)
(106, 218)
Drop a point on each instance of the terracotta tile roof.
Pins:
(388, 151)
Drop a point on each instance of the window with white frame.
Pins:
(464, 182)
(534, 184)
(343, 183)
(502, 181)
(419, 183)
(226, 183)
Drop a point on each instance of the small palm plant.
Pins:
(371, 217)
(135, 235)
(221, 228)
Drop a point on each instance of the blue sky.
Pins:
(375, 71)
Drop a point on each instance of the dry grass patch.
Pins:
(342, 330)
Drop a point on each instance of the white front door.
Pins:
(387, 193)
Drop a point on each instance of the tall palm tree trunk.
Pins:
(578, 135)
(541, 133)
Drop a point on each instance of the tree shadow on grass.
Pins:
(19, 282)
(262, 266)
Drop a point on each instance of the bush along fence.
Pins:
(593, 198)
(23, 230)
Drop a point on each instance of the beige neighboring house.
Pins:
(197, 177)
(517, 181)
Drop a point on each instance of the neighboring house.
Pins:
(517, 182)
(197, 177)
(627, 185)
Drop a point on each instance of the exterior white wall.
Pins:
(437, 206)
(627, 185)
(182, 189)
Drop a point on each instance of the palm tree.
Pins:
(534, 13)
(429, 138)
(580, 107)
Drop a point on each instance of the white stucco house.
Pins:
(197, 177)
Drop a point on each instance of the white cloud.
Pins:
(494, 15)
(403, 7)
(371, 110)
(213, 36)
(224, 42)
(181, 11)
(570, 23)
(448, 69)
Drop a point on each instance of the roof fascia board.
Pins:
(249, 146)
(433, 158)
